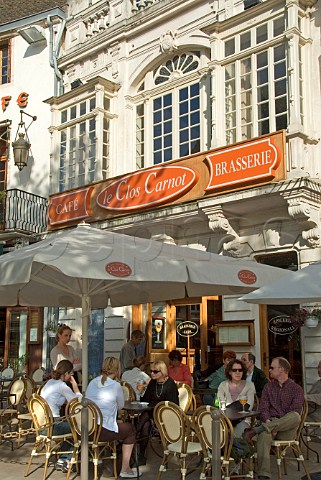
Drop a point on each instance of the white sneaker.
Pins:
(131, 474)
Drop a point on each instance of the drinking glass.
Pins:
(243, 400)
(222, 403)
(141, 387)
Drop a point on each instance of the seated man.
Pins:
(280, 411)
(217, 377)
(254, 374)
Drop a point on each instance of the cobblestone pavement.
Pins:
(13, 464)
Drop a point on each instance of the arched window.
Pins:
(169, 123)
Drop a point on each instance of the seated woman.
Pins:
(136, 376)
(177, 370)
(107, 393)
(236, 387)
(56, 393)
(160, 388)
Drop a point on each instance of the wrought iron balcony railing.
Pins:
(23, 212)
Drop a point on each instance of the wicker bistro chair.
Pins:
(281, 447)
(202, 421)
(309, 433)
(129, 395)
(98, 450)
(128, 391)
(24, 418)
(46, 444)
(186, 397)
(15, 396)
(37, 375)
(174, 428)
(7, 375)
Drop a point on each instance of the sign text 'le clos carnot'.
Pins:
(189, 179)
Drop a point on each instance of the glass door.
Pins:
(17, 338)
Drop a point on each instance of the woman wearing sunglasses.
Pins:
(236, 387)
(160, 388)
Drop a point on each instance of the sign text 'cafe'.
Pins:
(191, 178)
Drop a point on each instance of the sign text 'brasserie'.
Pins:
(188, 179)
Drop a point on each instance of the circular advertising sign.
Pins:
(247, 277)
(118, 269)
(187, 329)
(281, 325)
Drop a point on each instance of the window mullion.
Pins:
(175, 123)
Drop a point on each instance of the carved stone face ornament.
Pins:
(167, 42)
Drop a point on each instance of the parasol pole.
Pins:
(85, 316)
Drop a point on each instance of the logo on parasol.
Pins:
(246, 276)
(118, 269)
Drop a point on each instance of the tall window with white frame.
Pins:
(256, 84)
(5, 62)
(175, 127)
(77, 145)
(78, 152)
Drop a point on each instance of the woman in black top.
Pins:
(160, 388)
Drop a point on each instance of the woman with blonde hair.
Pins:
(161, 387)
(56, 393)
(63, 351)
(107, 393)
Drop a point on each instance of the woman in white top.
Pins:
(63, 351)
(235, 387)
(136, 376)
(56, 393)
(107, 393)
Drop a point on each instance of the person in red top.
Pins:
(280, 413)
(177, 370)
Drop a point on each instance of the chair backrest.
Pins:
(41, 415)
(37, 375)
(7, 373)
(31, 387)
(185, 396)
(128, 391)
(256, 402)
(95, 419)
(304, 414)
(202, 421)
(17, 392)
(41, 387)
(172, 424)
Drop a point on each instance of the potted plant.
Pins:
(304, 317)
(52, 328)
(19, 364)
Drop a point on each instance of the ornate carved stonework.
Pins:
(305, 209)
(220, 225)
(308, 3)
(115, 60)
(167, 42)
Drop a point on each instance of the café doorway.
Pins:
(201, 348)
(285, 342)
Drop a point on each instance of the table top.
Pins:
(235, 415)
(137, 406)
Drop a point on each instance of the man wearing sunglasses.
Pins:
(280, 412)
